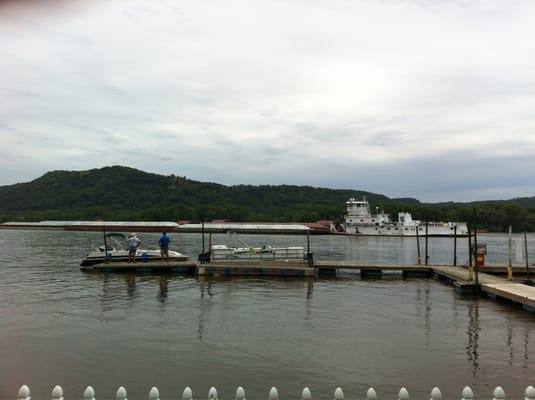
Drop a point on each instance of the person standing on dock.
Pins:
(164, 247)
(133, 242)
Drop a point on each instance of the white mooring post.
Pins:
(273, 393)
(467, 394)
(436, 394)
(24, 393)
(187, 394)
(306, 394)
(529, 394)
(371, 394)
(212, 393)
(57, 393)
(499, 394)
(403, 394)
(89, 393)
(154, 393)
(338, 394)
(121, 394)
(240, 393)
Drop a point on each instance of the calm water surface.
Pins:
(61, 326)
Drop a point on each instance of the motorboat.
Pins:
(224, 252)
(243, 251)
(113, 252)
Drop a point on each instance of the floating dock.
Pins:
(187, 267)
(257, 268)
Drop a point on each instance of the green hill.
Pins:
(126, 193)
(122, 193)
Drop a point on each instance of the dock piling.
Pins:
(526, 252)
(418, 258)
(510, 254)
(426, 242)
(455, 246)
(470, 265)
(475, 248)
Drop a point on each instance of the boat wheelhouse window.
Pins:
(406, 229)
(420, 229)
(397, 229)
(387, 229)
(361, 220)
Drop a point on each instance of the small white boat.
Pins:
(113, 254)
(265, 253)
(224, 252)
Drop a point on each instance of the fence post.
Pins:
(57, 393)
(273, 394)
(436, 394)
(24, 393)
(529, 394)
(240, 393)
(306, 394)
(89, 393)
(403, 394)
(121, 394)
(371, 394)
(187, 394)
(338, 394)
(499, 394)
(467, 394)
(212, 393)
(154, 393)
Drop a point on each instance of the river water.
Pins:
(59, 325)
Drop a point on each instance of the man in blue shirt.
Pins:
(164, 247)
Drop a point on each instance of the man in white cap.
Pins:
(133, 242)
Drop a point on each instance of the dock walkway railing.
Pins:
(371, 394)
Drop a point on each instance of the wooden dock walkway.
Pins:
(492, 285)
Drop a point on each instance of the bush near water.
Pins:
(122, 193)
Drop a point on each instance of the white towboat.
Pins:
(360, 221)
(114, 254)
(264, 253)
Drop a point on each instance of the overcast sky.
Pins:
(423, 98)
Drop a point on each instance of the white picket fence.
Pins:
(154, 394)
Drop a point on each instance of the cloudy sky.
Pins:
(433, 99)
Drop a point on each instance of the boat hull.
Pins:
(434, 230)
(97, 257)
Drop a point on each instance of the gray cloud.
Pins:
(430, 99)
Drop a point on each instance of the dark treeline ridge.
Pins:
(122, 193)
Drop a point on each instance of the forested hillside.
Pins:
(121, 193)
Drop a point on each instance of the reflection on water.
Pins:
(63, 326)
(472, 333)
